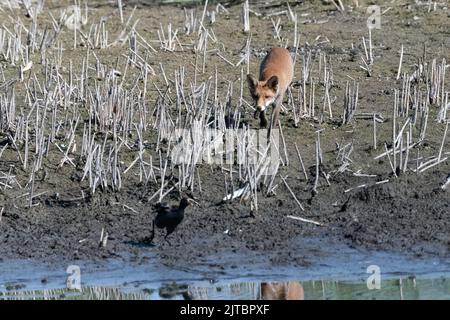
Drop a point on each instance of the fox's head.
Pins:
(263, 92)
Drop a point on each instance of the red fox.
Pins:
(275, 76)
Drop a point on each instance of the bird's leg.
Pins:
(167, 240)
(153, 232)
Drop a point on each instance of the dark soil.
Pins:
(410, 215)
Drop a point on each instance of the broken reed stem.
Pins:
(301, 161)
(246, 16)
(370, 47)
(374, 132)
(394, 128)
(284, 144)
(304, 220)
(389, 158)
(119, 4)
(400, 63)
(318, 162)
(408, 141)
(292, 193)
(443, 141)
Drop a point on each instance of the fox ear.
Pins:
(272, 83)
(252, 83)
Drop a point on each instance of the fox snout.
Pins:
(260, 108)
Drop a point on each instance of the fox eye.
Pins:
(267, 97)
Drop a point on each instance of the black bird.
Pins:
(169, 217)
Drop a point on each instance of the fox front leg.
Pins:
(262, 120)
(275, 116)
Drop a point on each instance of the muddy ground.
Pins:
(409, 214)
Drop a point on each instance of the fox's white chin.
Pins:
(268, 103)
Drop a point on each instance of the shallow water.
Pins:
(400, 288)
(340, 274)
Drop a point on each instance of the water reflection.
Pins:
(282, 291)
(290, 290)
(400, 288)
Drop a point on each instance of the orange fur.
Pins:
(282, 291)
(275, 76)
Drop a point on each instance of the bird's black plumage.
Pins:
(169, 217)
